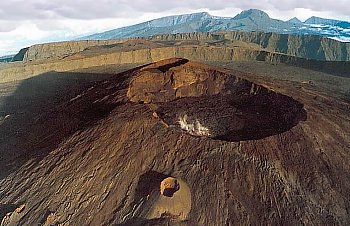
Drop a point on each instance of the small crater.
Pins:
(149, 183)
(162, 195)
(175, 200)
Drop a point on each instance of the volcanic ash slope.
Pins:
(181, 143)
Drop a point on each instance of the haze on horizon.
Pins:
(27, 22)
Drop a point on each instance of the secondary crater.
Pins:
(204, 101)
(159, 195)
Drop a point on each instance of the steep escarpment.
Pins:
(56, 50)
(16, 71)
(302, 46)
(138, 162)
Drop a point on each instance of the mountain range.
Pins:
(248, 20)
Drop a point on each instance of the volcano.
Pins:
(177, 142)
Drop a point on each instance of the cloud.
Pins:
(7, 26)
(92, 9)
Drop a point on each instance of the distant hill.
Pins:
(7, 58)
(248, 20)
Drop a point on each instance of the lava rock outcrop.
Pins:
(169, 186)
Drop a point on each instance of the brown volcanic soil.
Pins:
(99, 159)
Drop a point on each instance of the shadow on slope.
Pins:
(46, 109)
(336, 68)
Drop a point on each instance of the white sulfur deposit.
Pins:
(195, 128)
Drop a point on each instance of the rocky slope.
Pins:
(104, 155)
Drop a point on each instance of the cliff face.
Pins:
(17, 71)
(20, 56)
(306, 46)
(102, 157)
(58, 50)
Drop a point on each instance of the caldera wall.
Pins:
(304, 46)
(59, 49)
(17, 71)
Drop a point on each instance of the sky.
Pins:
(27, 22)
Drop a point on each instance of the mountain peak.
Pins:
(320, 20)
(312, 19)
(205, 14)
(248, 20)
(179, 19)
(193, 16)
(295, 20)
(252, 13)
